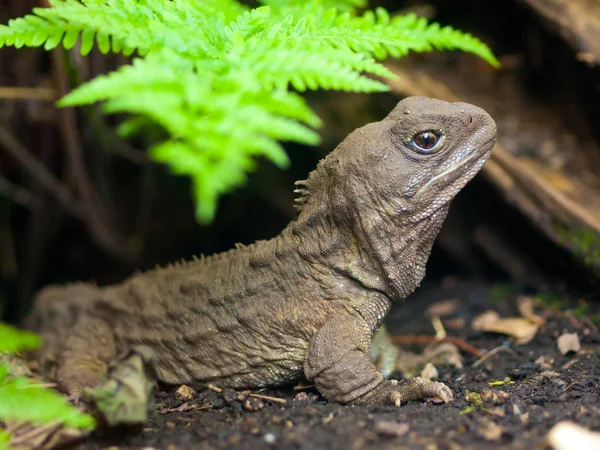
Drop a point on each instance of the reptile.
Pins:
(305, 304)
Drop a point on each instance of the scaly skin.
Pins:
(306, 303)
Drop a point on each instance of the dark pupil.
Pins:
(426, 140)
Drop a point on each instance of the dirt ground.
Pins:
(541, 387)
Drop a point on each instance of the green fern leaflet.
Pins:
(23, 400)
(222, 79)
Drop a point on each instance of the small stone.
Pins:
(565, 434)
(170, 425)
(490, 430)
(392, 429)
(229, 395)
(545, 362)
(185, 393)
(301, 397)
(234, 439)
(253, 404)
(243, 395)
(236, 408)
(496, 397)
(269, 438)
(568, 342)
(310, 411)
(213, 399)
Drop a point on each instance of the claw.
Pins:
(436, 390)
(396, 398)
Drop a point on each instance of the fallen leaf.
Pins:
(443, 308)
(520, 328)
(185, 393)
(525, 305)
(25, 436)
(125, 398)
(568, 342)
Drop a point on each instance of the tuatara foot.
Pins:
(125, 398)
(398, 392)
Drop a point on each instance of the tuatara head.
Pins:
(384, 192)
(438, 146)
(409, 165)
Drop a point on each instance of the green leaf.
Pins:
(13, 340)
(4, 440)
(23, 400)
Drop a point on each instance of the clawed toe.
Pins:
(433, 390)
(421, 389)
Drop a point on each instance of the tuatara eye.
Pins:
(426, 142)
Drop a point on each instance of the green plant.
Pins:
(26, 401)
(221, 78)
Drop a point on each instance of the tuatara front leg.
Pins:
(76, 345)
(339, 363)
(85, 357)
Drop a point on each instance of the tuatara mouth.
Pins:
(451, 174)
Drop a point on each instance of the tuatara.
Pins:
(306, 303)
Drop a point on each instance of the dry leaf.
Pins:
(525, 305)
(185, 393)
(518, 327)
(25, 436)
(568, 342)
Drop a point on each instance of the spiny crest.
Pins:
(303, 194)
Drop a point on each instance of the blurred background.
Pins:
(77, 203)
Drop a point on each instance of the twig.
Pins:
(438, 326)
(492, 352)
(183, 408)
(25, 93)
(18, 194)
(268, 398)
(460, 343)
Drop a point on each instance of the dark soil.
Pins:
(537, 395)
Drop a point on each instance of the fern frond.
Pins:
(217, 124)
(122, 26)
(26, 401)
(216, 76)
(377, 34)
(340, 5)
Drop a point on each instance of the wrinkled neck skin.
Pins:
(381, 244)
